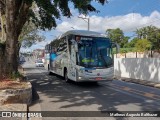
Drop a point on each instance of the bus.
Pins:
(81, 55)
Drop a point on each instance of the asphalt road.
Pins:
(53, 94)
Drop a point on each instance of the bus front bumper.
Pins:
(95, 74)
(96, 79)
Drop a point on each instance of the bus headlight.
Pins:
(79, 78)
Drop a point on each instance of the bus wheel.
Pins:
(66, 76)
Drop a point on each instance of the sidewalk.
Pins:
(137, 81)
(13, 103)
(13, 110)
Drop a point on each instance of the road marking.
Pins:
(127, 89)
(149, 95)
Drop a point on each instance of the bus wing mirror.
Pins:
(117, 47)
(72, 41)
(76, 47)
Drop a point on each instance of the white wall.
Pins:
(138, 68)
(146, 54)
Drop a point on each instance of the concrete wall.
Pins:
(147, 54)
(138, 68)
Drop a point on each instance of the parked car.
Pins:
(39, 63)
(41, 59)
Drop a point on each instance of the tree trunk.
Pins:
(2, 60)
(3, 32)
(16, 13)
(18, 49)
(10, 66)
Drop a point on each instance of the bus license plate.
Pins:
(98, 78)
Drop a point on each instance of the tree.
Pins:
(124, 42)
(29, 35)
(2, 21)
(18, 12)
(150, 33)
(142, 45)
(117, 35)
(132, 43)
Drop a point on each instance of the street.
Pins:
(56, 95)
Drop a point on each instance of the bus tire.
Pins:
(66, 75)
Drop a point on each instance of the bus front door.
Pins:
(72, 64)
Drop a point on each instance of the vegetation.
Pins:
(16, 75)
(143, 45)
(147, 38)
(152, 34)
(132, 43)
(117, 36)
(29, 35)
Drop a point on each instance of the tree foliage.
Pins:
(143, 45)
(132, 43)
(150, 33)
(117, 35)
(50, 10)
(29, 35)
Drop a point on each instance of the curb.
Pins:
(138, 81)
(17, 100)
(10, 96)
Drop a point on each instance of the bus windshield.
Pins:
(95, 52)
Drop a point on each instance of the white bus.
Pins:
(82, 56)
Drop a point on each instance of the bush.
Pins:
(123, 51)
(16, 75)
(143, 45)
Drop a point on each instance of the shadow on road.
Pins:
(35, 95)
(77, 95)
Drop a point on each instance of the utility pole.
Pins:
(88, 21)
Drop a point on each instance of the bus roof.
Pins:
(83, 33)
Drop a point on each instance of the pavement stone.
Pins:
(35, 107)
(13, 108)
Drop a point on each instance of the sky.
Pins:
(127, 15)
